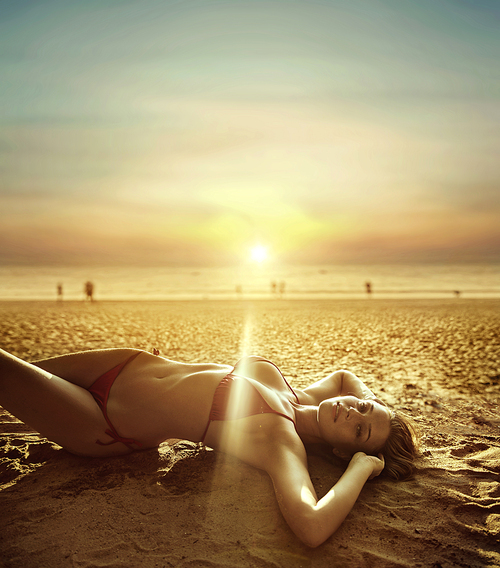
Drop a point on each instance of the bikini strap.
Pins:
(117, 438)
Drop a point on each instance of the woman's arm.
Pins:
(339, 383)
(313, 520)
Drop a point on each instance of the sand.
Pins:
(185, 505)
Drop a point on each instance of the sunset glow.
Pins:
(337, 132)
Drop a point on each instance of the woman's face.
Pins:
(351, 424)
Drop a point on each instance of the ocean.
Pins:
(251, 281)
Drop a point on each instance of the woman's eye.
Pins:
(363, 407)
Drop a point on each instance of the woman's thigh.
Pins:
(84, 368)
(63, 412)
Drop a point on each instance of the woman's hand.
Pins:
(377, 463)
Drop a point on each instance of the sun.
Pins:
(258, 253)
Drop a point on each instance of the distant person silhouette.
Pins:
(273, 287)
(282, 288)
(59, 292)
(368, 286)
(89, 291)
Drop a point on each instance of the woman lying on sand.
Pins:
(249, 411)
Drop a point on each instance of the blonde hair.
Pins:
(401, 447)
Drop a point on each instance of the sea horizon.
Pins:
(254, 281)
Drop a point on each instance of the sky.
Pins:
(188, 132)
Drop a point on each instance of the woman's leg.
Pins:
(57, 408)
(85, 367)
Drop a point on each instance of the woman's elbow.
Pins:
(312, 541)
(311, 537)
(310, 529)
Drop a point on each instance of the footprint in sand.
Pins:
(468, 449)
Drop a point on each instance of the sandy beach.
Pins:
(185, 505)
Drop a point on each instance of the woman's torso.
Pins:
(154, 399)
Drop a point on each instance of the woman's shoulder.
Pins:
(257, 440)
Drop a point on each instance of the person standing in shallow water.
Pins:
(112, 402)
(89, 290)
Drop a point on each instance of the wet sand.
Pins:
(187, 506)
